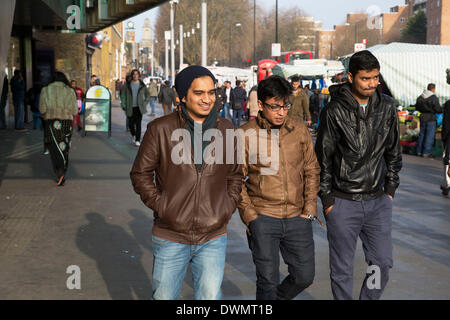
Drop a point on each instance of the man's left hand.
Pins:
(390, 197)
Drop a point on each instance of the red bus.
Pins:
(265, 68)
(295, 55)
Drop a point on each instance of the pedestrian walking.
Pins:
(58, 106)
(314, 107)
(445, 187)
(32, 98)
(226, 105)
(80, 96)
(153, 91)
(18, 94)
(358, 149)
(299, 102)
(221, 97)
(278, 208)
(253, 103)
(238, 97)
(190, 217)
(134, 100)
(166, 97)
(428, 105)
(3, 100)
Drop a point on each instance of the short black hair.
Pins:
(135, 70)
(274, 87)
(238, 83)
(295, 79)
(431, 86)
(363, 60)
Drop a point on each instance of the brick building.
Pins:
(394, 22)
(438, 22)
(324, 44)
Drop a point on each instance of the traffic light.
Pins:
(249, 60)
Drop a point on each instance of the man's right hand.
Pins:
(327, 210)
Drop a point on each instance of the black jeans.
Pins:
(135, 123)
(294, 238)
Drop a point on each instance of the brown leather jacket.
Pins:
(189, 207)
(290, 191)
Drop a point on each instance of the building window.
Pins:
(323, 47)
(431, 4)
(437, 39)
(324, 37)
(437, 21)
(438, 3)
(402, 19)
(431, 22)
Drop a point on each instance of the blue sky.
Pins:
(330, 12)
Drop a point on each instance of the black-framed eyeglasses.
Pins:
(275, 107)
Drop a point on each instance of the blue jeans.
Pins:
(237, 116)
(152, 103)
(226, 110)
(37, 120)
(19, 113)
(426, 137)
(170, 261)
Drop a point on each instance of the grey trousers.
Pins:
(371, 221)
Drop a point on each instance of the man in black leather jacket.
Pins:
(358, 148)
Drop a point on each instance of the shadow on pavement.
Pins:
(118, 258)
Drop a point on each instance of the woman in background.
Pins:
(58, 105)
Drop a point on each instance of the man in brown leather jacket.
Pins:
(192, 200)
(280, 195)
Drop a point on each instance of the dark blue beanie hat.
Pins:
(184, 79)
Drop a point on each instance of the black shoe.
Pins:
(429, 156)
(445, 191)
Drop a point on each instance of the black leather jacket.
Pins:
(360, 155)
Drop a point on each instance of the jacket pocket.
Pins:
(160, 204)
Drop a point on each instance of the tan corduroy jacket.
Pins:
(58, 101)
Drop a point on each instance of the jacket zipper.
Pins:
(284, 177)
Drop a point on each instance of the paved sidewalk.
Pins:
(98, 223)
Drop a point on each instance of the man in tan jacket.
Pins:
(299, 102)
(279, 197)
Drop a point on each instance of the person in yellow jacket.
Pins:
(58, 105)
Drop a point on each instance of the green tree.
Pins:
(416, 29)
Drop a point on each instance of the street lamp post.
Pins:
(172, 39)
(153, 55)
(204, 26)
(276, 21)
(166, 38)
(254, 31)
(181, 45)
(231, 25)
